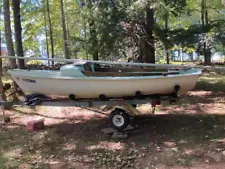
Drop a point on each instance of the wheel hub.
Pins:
(118, 120)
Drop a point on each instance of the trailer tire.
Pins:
(134, 105)
(119, 119)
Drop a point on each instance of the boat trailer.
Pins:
(120, 109)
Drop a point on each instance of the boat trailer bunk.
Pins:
(121, 109)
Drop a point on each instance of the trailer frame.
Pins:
(121, 109)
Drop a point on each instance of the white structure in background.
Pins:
(43, 49)
(217, 57)
(3, 50)
(179, 55)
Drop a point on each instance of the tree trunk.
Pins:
(65, 41)
(18, 31)
(8, 33)
(50, 31)
(0, 55)
(203, 12)
(2, 95)
(46, 38)
(179, 54)
(93, 36)
(46, 32)
(206, 44)
(1, 84)
(182, 56)
(67, 29)
(223, 2)
(8, 38)
(166, 43)
(207, 54)
(94, 41)
(149, 49)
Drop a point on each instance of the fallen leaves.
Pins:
(118, 159)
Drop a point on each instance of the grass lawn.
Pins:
(6, 79)
(187, 134)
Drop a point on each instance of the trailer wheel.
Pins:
(134, 105)
(119, 119)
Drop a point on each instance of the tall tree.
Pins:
(93, 40)
(50, 30)
(2, 96)
(149, 47)
(93, 34)
(18, 31)
(67, 29)
(8, 33)
(0, 55)
(166, 33)
(46, 32)
(206, 43)
(1, 84)
(65, 39)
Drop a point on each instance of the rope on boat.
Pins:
(210, 68)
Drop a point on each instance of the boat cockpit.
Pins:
(80, 69)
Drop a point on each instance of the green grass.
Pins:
(176, 62)
(6, 79)
(3, 162)
(211, 82)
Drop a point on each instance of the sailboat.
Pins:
(84, 79)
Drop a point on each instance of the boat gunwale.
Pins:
(18, 72)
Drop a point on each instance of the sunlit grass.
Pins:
(211, 82)
(176, 62)
(6, 79)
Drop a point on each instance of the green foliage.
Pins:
(34, 62)
(120, 26)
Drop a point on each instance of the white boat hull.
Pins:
(92, 87)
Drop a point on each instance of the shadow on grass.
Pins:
(213, 86)
(193, 129)
(190, 128)
(84, 139)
